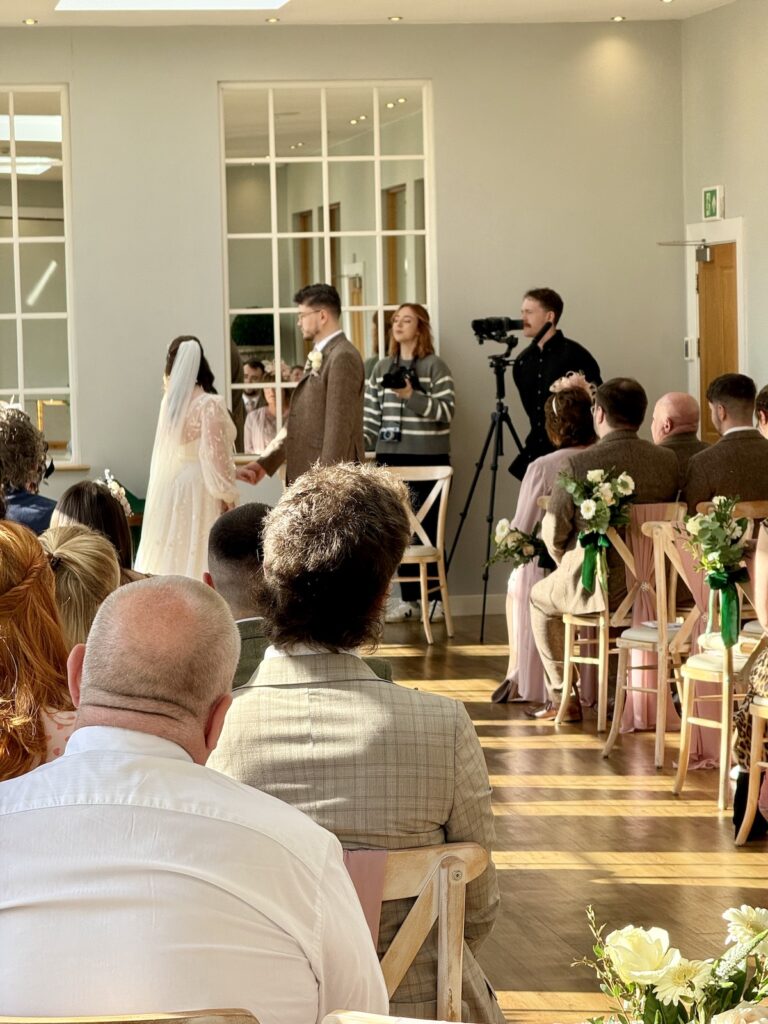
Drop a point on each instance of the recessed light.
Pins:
(353, 121)
(363, 117)
(272, 21)
(395, 17)
(666, 1)
(401, 99)
(618, 17)
(390, 105)
(29, 21)
(299, 145)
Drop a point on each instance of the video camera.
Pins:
(496, 328)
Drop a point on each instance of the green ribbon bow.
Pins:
(725, 581)
(595, 546)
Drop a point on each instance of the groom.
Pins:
(326, 419)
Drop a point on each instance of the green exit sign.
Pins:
(712, 202)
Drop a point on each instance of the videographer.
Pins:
(409, 403)
(541, 364)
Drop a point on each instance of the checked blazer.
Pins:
(383, 767)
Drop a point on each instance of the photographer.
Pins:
(409, 403)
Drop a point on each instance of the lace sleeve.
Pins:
(217, 436)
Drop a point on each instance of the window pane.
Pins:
(350, 121)
(351, 186)
(405, 277)
(299, 197)
(7, 295)
(6, 221)
(46, 361)
(248, 202)
(9, 376)
(301, 263)
(43, 279)
(355, 270)
(254, 335)
(293, 348)
(402, 195)
(250, 273)
(297, 122)
(41, 204)
(246, 126)
(52, 415)
(37, 125)
(401, 120)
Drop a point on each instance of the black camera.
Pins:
(496, 328)
(391, 434)
(398, 376)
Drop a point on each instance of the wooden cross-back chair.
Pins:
(606, 620)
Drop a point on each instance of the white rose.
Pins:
(605, 493)
(315, 359)
(640, 957)
(588, 509)
(693, 525)
(502, 530)
(596, 476)
(625, 484)
(744, 1013)
(734, 530)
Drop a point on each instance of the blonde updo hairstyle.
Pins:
(86, 570)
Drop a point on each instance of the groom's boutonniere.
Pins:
(315, 359)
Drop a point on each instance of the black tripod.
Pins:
(499, 419)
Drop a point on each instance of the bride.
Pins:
(192, 475)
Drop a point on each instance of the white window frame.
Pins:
(325, 160)
(21, 392)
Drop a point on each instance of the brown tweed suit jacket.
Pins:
(685, 446)
(736, 466)
(325, 423)
(655, 472)
(383, 767)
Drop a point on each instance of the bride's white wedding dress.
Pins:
(193, 472)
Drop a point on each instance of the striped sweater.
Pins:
(424, 420)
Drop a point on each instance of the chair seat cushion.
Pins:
(422, 552)
(646, 633)
(713, 662)
(752, 628)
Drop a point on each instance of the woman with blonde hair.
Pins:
(85, 570)
(36, 715)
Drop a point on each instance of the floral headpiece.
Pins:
(570, 382)
(117, 490)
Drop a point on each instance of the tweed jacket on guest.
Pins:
(383, 767)
(325, 423)
(736, 466)
(685, 446)
(654, 470)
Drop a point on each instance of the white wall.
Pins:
(725, 98)
(558, 160)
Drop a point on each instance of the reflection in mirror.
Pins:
(51, 414)
(250, 273)
(46, 362)
(7, 293)
(301, 263)
(297, 122)
(248, 204)
(405, 275)
(246, 123)
(402, 195)
(262, 423)
(293, 348)
(37, 128)
(6, 217)
(349, 115)
(401, 122)
(41, 205)
(9, 377)
(351, 185)
(299, 197)
(354, 270)
(43, 277)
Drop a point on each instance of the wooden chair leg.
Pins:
(565, 693)
(689, 686)
(444, 597)
(450, 939)
(755, 770)
(662, 699)
(425, 602)
(726, 720)
(622, 682)
(603, 643)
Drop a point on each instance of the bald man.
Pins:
(128, 854)
(675, 425)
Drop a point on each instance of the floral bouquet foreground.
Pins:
(602, 500)
(651, 982)
(515, 546)
(717, 542)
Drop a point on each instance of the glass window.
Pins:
(333, 180)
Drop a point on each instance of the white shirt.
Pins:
(734, 430)
(320, 345)
(133, 880)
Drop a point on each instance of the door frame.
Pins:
(730, 230)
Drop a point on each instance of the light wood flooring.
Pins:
(573, 829)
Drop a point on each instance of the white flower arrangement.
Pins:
(651, 982)
(515, 546)
(315, 360)
(117, 490)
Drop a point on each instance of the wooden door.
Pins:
(718, 324)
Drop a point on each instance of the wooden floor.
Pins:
(573, 829)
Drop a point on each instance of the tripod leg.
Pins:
(478, 470)
(498, 450)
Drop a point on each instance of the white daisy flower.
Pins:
(745, 923)
(684, 979)
(588, 509)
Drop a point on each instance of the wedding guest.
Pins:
(196, 891)
(675, 425)
(737, 465)
(92, 504)
(761, 411)
(296, 373)
(317, 728)
(85, 571)
(568, 421)
(253, 373)
(23, 452)
(36, 715)
(261, 424)
(618, 413)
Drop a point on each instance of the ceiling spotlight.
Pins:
(293, 147)
(618, 17)
(363, 117)
(272, 21)
(299, 145)
(666, 1)
(395, 17)
(401, 99)
(29, 21)
(353, 121)
(390, 105)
